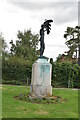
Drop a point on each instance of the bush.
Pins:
(12, 82)
(16, 71)
(65, 75)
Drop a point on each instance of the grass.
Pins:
(14, 108)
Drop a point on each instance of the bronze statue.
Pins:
(44, 27)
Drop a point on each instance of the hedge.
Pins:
(15, 69)
(18, 71)
(65, 74)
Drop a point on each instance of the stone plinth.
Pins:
(41, 79)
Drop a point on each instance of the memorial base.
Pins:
(41, 78)
(40, 91)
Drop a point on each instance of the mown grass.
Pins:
(14, 108)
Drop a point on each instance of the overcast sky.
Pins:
(24, 14)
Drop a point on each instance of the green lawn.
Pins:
(14, 108)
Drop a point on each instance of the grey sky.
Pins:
(61, 12)
(79, 13)
(19, 15)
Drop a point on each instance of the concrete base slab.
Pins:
(40, 91)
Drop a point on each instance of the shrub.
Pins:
(16, 69)
(65, 74)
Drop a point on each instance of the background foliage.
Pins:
(16, 71)
(65, 74)
(17, 63)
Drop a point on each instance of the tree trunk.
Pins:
(79, 56)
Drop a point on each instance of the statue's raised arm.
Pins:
(46, 26)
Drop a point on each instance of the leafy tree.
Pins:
(0, 46)
(0, 58)
(3, 47)
(26, 45)
(22, 55)
(3, 53)
(59, 58)
(72, 36)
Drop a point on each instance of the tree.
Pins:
(72, 36)
(26, 45)
(0, 46)
(18, 67)
(3, 48)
